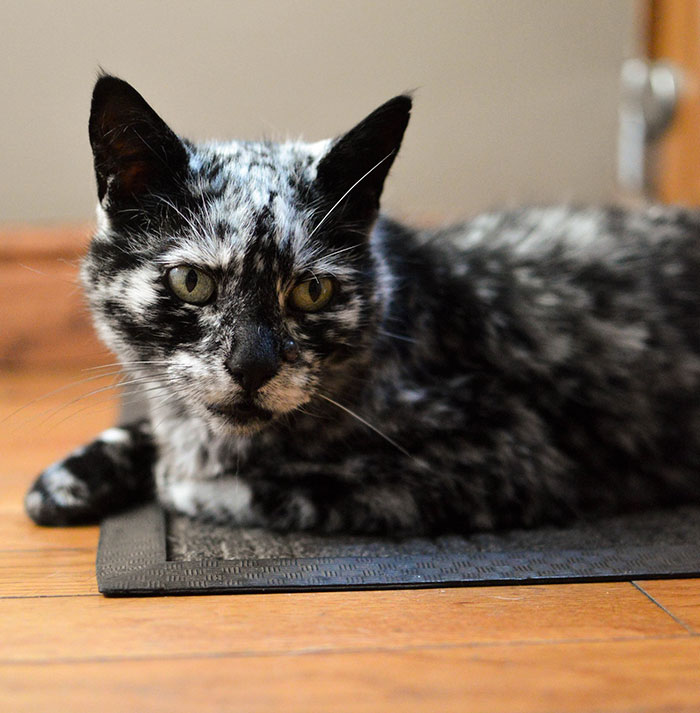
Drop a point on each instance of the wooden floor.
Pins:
(591, 647)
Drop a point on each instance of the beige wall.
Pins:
(516, 99)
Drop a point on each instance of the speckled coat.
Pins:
(534, 365)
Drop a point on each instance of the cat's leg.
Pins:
(109, 473)
(411, 500)
(298, 504)
(358, 508)
(397, 495)
(319, 501)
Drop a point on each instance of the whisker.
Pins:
(77, 412)
(368, 424)
(135, 394)
(58, 391)
(98, 407)
(189, 222)
(163, 403)
(343, 250)
(122, 397)
(73, 281)
(397, 336)
(158, 401)
(127, 363)
(344, 196)
(103, 404)
(117, 385)
(318, 255)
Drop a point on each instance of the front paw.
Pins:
(59, 497)
(225, 501)
(103, 477)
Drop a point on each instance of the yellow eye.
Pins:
(190, 284)
(312, 295)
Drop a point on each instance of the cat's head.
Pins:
(238, 280)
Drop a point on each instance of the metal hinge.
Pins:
(649, 97)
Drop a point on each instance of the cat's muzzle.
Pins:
(244, 413)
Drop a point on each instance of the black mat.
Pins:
(144, 552)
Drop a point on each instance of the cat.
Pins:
(313, 365)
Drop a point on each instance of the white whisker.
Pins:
(368, 424)
(396, 336)
(344, 196)
(115, 386)
(58, 391)
(195, 229)
(342, 250)
(127, 363)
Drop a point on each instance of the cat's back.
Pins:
(545, 252)
(576, 234)
(545, 288)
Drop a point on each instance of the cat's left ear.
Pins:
(356, 165)
(135, 151)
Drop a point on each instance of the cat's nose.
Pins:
(254, 361)
(251, 375)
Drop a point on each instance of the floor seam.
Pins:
(320, 650)
(655, 601)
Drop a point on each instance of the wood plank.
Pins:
(181, 626)
(610, 677)
(18, 532)
(680, 596)
(47, 573)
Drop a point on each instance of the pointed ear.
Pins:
(358, 162)
(134, 150)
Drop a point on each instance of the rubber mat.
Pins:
(146, 552)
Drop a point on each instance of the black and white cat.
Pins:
(310, 364)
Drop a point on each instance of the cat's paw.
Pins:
(59, 497)
(234, 501)
(226, 500)
(293, 513)
(93, 481)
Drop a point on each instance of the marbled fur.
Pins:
(528, 366)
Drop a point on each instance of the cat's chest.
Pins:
(187, 450)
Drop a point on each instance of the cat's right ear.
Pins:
(136, 153)
(356, 165)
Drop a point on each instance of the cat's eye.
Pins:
(312, 295)
(190, 284)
